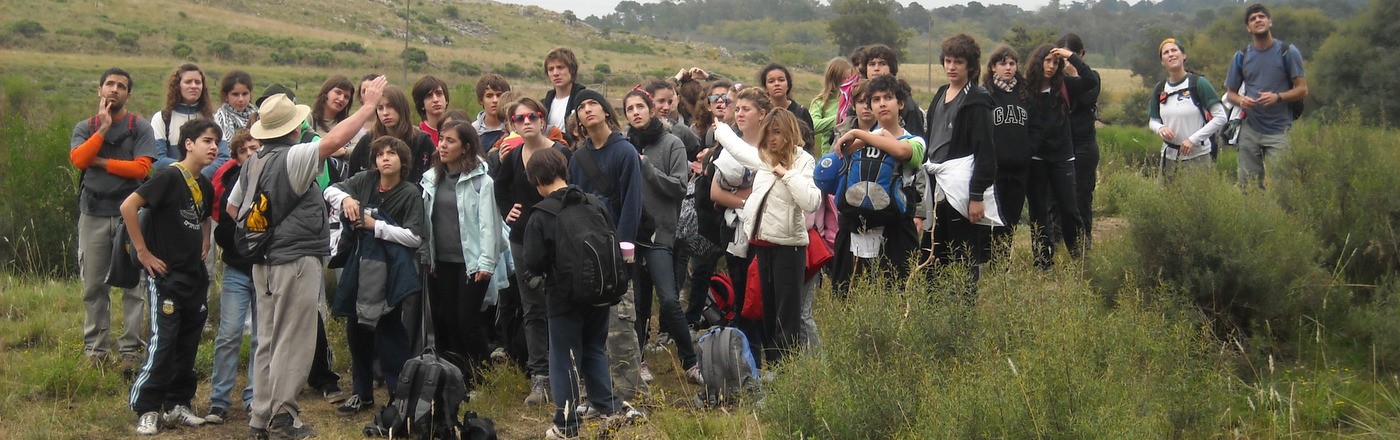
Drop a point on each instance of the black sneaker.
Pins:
(281, 428)
(216, 416)
(334, 394)
(354, 405)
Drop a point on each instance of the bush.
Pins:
(26, 28)
(451, 12)
(1033, 358)
(1131, 146)
(415, 57)
(464, 68)
(129, 40)
(512, 70)
(221, 49)
(39, 227)
(181, 50)
(1238, 257)
(348, 46)
(629, 46)
(1340, 180)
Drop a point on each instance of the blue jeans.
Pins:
(578, 350)
(235, 303)
(659, 276)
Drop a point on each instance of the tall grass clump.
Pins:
(1034, 356)
(38, 196)
(1239, 257)
(1128, 146)
(1340, 180)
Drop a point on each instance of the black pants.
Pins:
(901, 242)
(1011, 198)
(959, 241)
(510, 325)
(455, 301)
(1086, 174)
(781, 270)
(387, 342)
(1052, 182)
(322, 375)
(702, 267)
(167, 378)
(738, 269)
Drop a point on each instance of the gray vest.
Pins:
(304, 231)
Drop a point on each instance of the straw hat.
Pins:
(277, 117)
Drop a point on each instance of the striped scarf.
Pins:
(231, 120)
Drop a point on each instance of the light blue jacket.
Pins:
(481, 222)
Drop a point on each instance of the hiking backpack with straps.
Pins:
(1193, 91)
(1294, 107)
(872, 186)
(727, 365)
(589, 269)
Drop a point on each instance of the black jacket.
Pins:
(1049, 125)
(1010, 119)
(1083, 101)
(972, 136)
(573, 104)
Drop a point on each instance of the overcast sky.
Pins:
(604, 7)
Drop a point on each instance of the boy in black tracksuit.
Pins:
(961, 126)
(179, 199)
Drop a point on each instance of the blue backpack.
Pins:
(872, 187)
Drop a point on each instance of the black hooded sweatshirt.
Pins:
(972, 136)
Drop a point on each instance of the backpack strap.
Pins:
(595, 175)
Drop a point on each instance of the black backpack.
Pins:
(429, 394)
(588, 265)
(1295, 107)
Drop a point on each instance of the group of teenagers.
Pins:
(435, 234)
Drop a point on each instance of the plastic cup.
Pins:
(629, 251)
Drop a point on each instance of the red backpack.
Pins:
(719, 307)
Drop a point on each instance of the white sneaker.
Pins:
(181, 415)
(554, 433)
(693, 375)
(646, 372)
(499, 354)
(147, 423)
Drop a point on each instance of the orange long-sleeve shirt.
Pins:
(83, 155)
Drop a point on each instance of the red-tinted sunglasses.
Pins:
(532, 117)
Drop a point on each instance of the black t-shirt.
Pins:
(176, 219)
(512, 186)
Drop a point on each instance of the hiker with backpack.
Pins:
(876, 192)
(386, 212)
(179, 201)
(1052, 173)
(1275, 86)
(664, 170)
(277, 193)
(580, 302)
(606, 165)
(1185, 112)
(961, 144)
(775, 227)
(464, 245)
(113, 151)
(515, 199)
(186, 98)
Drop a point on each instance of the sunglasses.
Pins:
(521, 118)
(719, 97)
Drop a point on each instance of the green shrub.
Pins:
(512, 70)
(221, 49)
(181, 50)
(463, 68)
(1035, 357)
(130, 41)
(1131, 146)
(38, 227)
(1340, 179)
(629, 46)
(414, 57)
(348, 46)
(26, 28)
(451, 12)
(1238, 257)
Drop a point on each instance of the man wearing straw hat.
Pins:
(288, 280)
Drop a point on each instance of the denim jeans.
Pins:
(578, 351)
(235, 304)
(658, 275)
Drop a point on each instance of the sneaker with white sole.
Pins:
(646, 372)
(626, 416)
(554, 433)
(539, 390)
(216, 416)
(499, 355)
(148, 423)
(692, 375)
(181, 415)
(354, 405)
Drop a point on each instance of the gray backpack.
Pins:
(727, 366)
